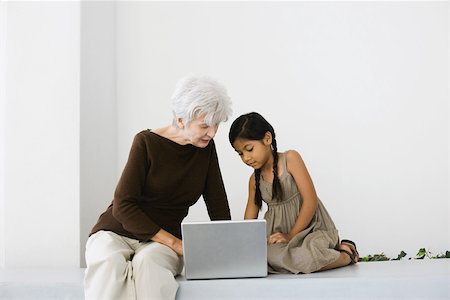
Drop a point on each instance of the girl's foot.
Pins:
(349, 247)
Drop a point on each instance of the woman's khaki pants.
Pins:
(121, 268)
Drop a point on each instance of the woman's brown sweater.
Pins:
(161, 180)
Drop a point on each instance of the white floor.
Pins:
(413, 279)
(418, 279)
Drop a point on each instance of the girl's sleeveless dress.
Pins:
(312, 248)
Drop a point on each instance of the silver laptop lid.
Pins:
(225, 249)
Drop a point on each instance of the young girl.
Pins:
(302, 237)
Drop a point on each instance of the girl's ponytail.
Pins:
(258, 196)
(277, 192)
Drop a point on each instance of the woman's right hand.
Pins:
(168, 239)
(178, 247)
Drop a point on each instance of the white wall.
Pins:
(41, 142)
(359, 88)
(98, 136)
(2, 127)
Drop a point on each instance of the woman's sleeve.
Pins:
(214, 195)
(131, 184)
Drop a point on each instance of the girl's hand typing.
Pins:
(279, 237)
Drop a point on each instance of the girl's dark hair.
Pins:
(253, 126)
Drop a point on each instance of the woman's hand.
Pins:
(171, 241)
(178, 247)
(279, 237)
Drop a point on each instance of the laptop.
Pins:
(224, 249)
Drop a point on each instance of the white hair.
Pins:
(197, 96)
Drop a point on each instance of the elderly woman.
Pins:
(134, 251)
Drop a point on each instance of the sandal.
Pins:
(354, 255)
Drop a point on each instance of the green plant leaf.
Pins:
(421, 254)
(400, 256)
(443, 255)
